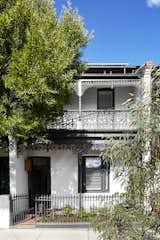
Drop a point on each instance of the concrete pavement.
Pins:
(47, 234)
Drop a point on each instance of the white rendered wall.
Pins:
(18, 175)
(64, 173)
(115, 184)
(4, 211)
(21, 175)
(89, 98)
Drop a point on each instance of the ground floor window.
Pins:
(4, 175)
(94, 175)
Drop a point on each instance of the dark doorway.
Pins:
(39, 182)
(4, 175)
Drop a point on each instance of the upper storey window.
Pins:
(105, 98)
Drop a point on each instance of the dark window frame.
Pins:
(105, 173)
(113, 98)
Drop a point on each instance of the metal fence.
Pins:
(75, 208)
(78, 208)
(19, 208)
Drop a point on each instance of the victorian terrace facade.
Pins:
(69, 164)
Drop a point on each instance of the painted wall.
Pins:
(18, 175)
(21, 175)
(115, 184)
(89, 98)
(64, 173)
(4, 211)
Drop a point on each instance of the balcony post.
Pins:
(79, 122)
(147, 84)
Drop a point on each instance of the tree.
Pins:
(136, 160)
(39, 60)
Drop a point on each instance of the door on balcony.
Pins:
(105, 98)
(39, 182)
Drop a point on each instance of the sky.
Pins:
(125, 31)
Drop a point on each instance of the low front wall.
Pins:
(4, 211)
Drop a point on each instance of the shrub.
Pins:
(43, 219)
(83, 215)
(67, 210)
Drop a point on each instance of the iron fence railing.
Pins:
(19, 208)
(74, 208)
(77, 208)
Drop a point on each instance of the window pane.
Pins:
(105, 99)
(93, 162)
(93, 179)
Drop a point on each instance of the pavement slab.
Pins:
(47, 234)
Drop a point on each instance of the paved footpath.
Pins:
(47, 234)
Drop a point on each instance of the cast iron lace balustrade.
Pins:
(94, 120)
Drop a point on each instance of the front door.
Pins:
(39, 182)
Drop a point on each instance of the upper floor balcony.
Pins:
(99, 109)
(97, 103)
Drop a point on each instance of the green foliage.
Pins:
(39, 60)
(123, 222)
(43, 219)
(67, 210)
(136, 161)
(82, 214)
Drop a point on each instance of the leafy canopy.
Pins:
(39, 58)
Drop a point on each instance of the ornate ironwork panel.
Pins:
(95, 120)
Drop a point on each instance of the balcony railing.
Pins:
(95, 120)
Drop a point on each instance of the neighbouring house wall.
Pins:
(4, 211)
(89, 98)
